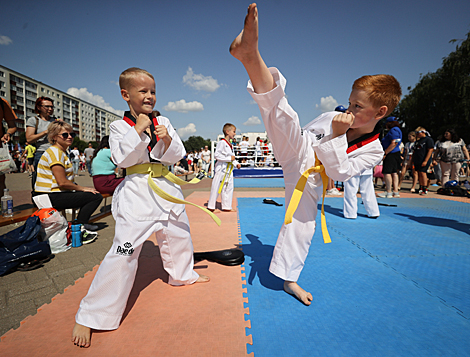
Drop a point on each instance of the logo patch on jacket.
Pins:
(126, 251)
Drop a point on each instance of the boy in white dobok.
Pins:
(326, 138)
(141, 143)
(223, 171)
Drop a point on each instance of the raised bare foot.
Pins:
(245, 45)
(81, 336)
(291, 287)
(203, 279)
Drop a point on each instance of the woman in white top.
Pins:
(451, 152)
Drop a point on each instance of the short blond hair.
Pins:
(126, 77)
(382, 89)
(55, 128)
(227, 127)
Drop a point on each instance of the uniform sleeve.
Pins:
(126, 144)
(339, 166)
(176, 149)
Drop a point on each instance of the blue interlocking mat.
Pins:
(398, 285)
(259, 182)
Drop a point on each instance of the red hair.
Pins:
(382, 89)
(39, 103)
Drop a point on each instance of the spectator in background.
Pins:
(82, 162)
(450, 153)
(89, 152)
(422, 157)
(28, 153)
(392, 158)
(180, 170)
(258, 152)
(244, 147)
(9, 115)
(104, 169)
(75, 157)
(36, 130)
(206, 159)
(407, 164)
(55, 177)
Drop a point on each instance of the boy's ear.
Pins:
(125, 95)
(381, 112)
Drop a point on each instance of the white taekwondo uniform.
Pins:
(223, 154)
(365, 183)
(139, 212)
(295, 150)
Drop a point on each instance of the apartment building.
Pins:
(89, 121)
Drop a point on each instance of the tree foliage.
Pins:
(195, 143)
(441, 100)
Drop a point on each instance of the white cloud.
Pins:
(254, 120)
(185, 132)
(97, 100)
(327, 104)
(183, 107)
(5, 40)
(200, 82)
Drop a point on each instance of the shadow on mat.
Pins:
(150, 269)
(439, 222)
(338, 212)
(261, 255)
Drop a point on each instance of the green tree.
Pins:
(441, 100)
(195, 143)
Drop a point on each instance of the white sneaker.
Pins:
(385, 195)
(396, 194)
(333, 192)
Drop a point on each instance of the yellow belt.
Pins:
(158, 170)
(228, 172)
(298, 191)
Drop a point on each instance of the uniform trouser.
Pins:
(294, 240)
(226, 194)
(103, 306)
(366, 186)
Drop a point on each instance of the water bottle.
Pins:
(76, 235)
(7, 204)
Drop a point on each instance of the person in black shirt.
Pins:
(422, 154)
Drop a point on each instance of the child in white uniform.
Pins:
(138, 139)
(365, 184)
(225, 157)
(326, 137)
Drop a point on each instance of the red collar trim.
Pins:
(131, 122)
(362, 143)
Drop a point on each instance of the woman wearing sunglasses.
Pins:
(55, 176)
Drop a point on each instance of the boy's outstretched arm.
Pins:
(245, 49)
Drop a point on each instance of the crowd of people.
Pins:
(422, 159)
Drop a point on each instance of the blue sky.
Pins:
(320, 47)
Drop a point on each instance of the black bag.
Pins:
(21, 248)
(457, 191)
